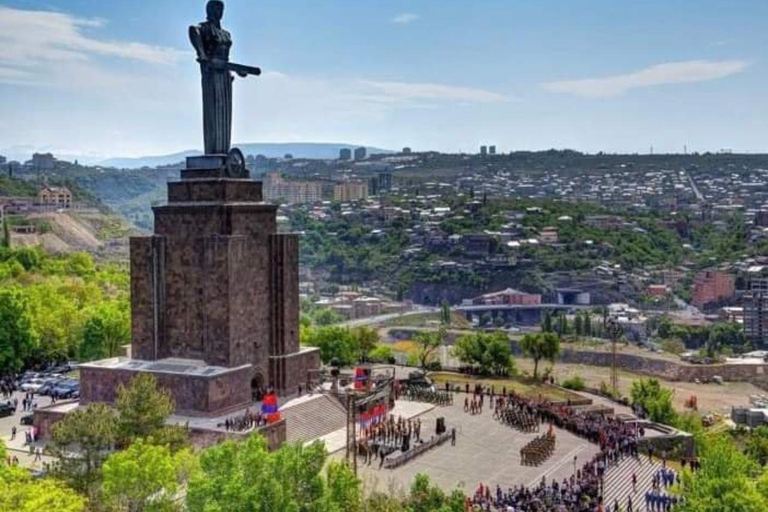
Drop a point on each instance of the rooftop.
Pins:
(176, 366)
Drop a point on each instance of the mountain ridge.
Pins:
(316, 150)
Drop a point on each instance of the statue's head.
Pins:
(214, 9)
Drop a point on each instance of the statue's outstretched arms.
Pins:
(197, 42)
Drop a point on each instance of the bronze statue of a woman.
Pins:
(212, 44)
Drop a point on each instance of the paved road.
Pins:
(17, 447)
(697, 193)
(371, 320)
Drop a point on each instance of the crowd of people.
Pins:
(582, 492)
(247, 421)
(381, 438)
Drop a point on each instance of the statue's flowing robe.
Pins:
(217, 91)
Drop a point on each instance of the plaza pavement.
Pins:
(486, 451)
(17, 447)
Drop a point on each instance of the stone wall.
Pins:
(290, 371)
(275, 434)
(756, 374)
(193, 394)
(45, 417)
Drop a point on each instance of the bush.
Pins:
(576, 383)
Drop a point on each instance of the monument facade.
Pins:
(214, 291)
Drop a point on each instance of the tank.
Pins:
(739, 415)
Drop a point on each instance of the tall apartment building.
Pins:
(292, 192)
(345, 154)
(380, 183)
(712, 286)
(756, 307)
(350, 191)
(360, 153)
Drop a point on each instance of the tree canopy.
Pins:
(540, 346)
(489, 352)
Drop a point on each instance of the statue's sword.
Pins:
(243, 70)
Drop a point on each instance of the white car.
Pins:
(33, 385)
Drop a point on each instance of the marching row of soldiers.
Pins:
(422, 394)
(538, 449)
(518, 417)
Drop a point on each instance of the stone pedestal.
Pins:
(215, 285)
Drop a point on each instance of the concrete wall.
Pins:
(756, 374)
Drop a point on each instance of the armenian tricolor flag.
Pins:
(269, 407)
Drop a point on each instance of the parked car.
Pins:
(32, 385)
(48, 385)
(67, 389)
(27, 419)
(6, 410)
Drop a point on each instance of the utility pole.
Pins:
(614, 331)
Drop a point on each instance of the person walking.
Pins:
(453, 436)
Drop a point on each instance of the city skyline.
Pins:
(111, 79)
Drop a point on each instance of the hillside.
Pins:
(104, 236)
(13, 187)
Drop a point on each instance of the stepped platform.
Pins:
(313, 416)
(618, 482)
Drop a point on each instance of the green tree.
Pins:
(145, 477)
(143, 407)
(425, 497)
(381, 354)
(445, 313)
(335, 342)
(246, 476)
(366, 338)
(81, 442)
(488, 352)
(343, 490)
(725, 335)
(655, 400)
(587, 327)
(546, 325)
(6, 234)
(756, 445)
(427, 344)
(17, 338)
(20, 492)
(726, 481)
(578, 327)
(326, 316)
(540, 346)
(106, 331)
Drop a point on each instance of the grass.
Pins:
(458, 321)
(521, 386)
(405, 347)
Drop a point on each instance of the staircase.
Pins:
(313, 417)
(618, 482)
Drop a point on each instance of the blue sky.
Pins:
(118, 78)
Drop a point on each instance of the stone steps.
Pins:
(312, 418)
(618, 482)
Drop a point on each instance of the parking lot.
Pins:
(17, 447)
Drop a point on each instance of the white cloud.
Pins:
(660, 74)
(38, 39)
(405, 18)
(403, 91)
